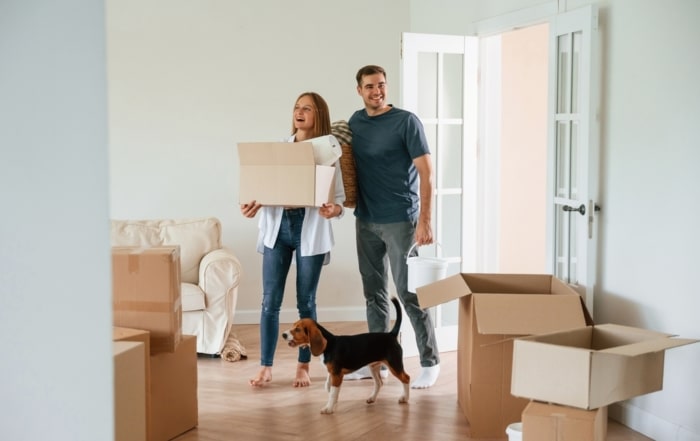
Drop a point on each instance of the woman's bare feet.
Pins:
(264, 376)
(302, 379)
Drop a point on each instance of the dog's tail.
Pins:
(397, 324)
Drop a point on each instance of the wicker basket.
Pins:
(341, 131)
(347, 167)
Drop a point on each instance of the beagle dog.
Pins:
(343, 354)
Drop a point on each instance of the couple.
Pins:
(393, 212)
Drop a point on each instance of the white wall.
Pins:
(55, 308)
(648, 234)
(188, 80)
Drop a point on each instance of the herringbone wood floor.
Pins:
(229, 409)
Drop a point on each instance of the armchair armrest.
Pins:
(219, 276)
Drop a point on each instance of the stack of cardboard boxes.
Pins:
(573, 375)
(155, 365)
(526, 337)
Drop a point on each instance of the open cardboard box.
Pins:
(493, 310)
(284, 173)
(591, 367)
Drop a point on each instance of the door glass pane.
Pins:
(573, 218)
(564, 77)
(453, 88)
(427, 85)
(574, 160)
(559, 244)
(431, 136)
(562, 172)
(449, 224)
(575, 60)
(565, 244)
(449, 171)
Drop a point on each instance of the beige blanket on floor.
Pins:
(233, 349)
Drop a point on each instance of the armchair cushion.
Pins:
(192, 298)
(197, 238)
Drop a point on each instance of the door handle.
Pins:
(581, 209)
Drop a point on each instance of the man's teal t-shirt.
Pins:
(384, 147)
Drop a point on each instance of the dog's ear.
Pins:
(316, 340)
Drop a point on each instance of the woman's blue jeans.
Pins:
(276, 264)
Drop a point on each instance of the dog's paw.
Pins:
(403, 400)
(326, 410)
(371, 399)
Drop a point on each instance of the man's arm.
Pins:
(424, 230)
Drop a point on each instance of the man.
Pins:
(395, 193)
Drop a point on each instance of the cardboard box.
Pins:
(283, 173)
(592, 366)
(550, 422)
(494, 309)
(146, 293)
(143, 337)
(129, 391)
(174, 391)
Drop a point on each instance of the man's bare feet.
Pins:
(264, 376)
(302, 379)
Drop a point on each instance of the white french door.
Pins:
(439, 85)
(573, 150)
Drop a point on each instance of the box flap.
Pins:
(623, 333)
(525, 314)
(442, 291)
(648, 346)
(510, 283)
(275, 153)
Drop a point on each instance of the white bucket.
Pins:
(515, 432)
(424, 270)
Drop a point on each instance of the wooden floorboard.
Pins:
(230, 409)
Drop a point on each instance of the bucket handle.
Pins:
(415, 245)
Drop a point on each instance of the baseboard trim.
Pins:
(649, 424)
(290, 315)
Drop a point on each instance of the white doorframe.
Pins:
(488, 206)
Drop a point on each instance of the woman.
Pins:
(302, 233)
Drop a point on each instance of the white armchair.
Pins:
(210, 274)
